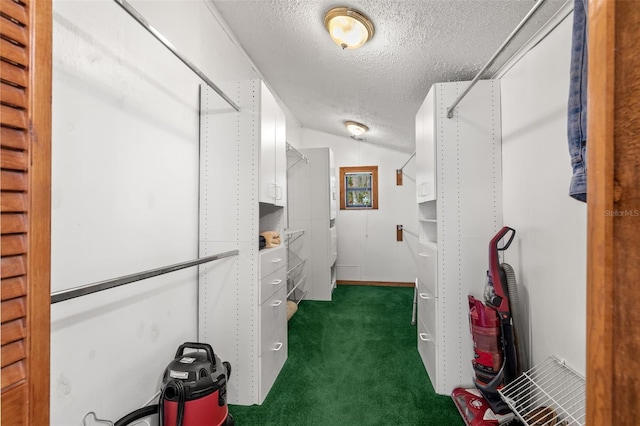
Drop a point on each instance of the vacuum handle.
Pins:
(195, 345)
(500, 235)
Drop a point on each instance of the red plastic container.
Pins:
(198, 412)
(485, 330)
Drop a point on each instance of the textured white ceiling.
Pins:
(382, 84)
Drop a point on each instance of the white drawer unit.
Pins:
(273, 318)
(271, 362)
(271, 283)
(272, 259)
(427, 270)
(427, 349)
(458, 181)
(333, 246)
(428, 308)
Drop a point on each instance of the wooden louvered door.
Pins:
(25, 159)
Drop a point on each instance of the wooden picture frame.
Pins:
(359, 188)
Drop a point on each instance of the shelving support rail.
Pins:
(501, 49)
(61, 296)
(166, 43)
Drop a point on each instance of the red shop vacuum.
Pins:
(497, 359)
(194, 391)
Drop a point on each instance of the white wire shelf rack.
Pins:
(293, 234)
(549, 394)
(294, 285)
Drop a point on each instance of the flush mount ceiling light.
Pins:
(348, 28)
(356, 129)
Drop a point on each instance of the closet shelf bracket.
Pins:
(297, 154)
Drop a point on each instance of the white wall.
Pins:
(125, 194)
(367, 246)
(549, 254)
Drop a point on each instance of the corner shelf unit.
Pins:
(312, 206)
(458, 174)
(243, 316)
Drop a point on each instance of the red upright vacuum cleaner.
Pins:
(194, 391)
(497, 360)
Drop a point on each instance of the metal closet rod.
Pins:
(405, 164)
(162, 39)
(61, 296)
(297, 153)
(495, 55)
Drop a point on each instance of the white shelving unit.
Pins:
(312, 206)
(241, 309)
(459, 209)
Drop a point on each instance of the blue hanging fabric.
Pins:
(577, 105)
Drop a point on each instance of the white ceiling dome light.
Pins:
(356, 129)
(348, 28)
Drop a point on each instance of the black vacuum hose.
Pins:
(174, 389)
(141, 413)
(516, 318)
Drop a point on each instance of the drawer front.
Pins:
(271, 363)
(428, 310)
(273, 319)
(333, 246)
(272, 283)
(428, 351)
(427, 266)
(271, 260)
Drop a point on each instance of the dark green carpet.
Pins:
(353, 361)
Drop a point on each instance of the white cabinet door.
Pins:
(426, 149)
(333, 191)
(280, 154)
(273, 151)
(420, 152)
(268, 186)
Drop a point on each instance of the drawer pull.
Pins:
(425, 337)
(276, 260)
(277, 347)
(276, 282)
(276, 303)
(426, 296)
(423, 254)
